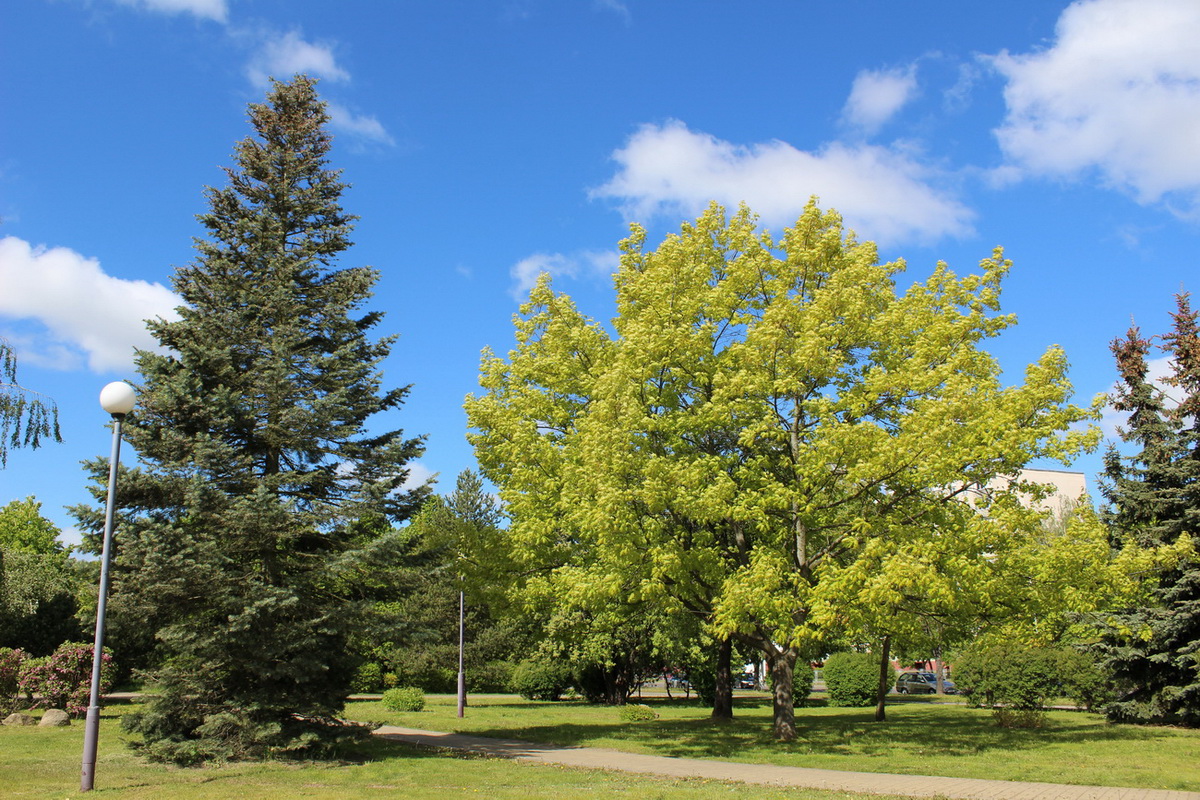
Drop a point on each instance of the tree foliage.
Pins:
(1153, 499)
(774, 437)
(26, 417)
(253, 530)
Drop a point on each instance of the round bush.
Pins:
(853, 678)
(540, 680)
(405, 698)
(637, 712)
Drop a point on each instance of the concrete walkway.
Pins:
(865, 782)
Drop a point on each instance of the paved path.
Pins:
(865, 782)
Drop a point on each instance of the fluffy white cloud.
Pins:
(877, 95)
(884, 193)
(1118, 92)
(82, 308)
(283, 55)
(357, 125)
(589, 263)
(216, 10)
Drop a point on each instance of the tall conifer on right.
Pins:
(1153, 652)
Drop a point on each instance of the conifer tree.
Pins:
(262, 497)
(1151, 651)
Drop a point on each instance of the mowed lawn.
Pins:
(919, 737)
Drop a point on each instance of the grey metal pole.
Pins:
(92, 725)
(462, 676)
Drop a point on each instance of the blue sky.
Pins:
(487, 141)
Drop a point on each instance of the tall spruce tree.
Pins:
(262, 499)
(1153, 652)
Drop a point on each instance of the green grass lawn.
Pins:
(919, 737)
(45, 763)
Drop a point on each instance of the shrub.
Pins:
(367, 678)
(637, 712)
(802, 682)
(404, 698)
(1084, 681)
(1011, 674)
(853, 678)
(540, 680)
(10, 674)
(64, 678)
(493, 676)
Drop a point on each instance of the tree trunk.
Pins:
(723, 691)
(783, 668)
(884, 683)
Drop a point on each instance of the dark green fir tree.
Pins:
(262, 504)
(1152, 652)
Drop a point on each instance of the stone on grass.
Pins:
(20, 719)
(54, 717)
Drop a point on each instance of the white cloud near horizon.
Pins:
(590, 263)
(877, 95)
(216, 10)
(89, 315)
(1117, 92)
(282, 55)
(884, 193)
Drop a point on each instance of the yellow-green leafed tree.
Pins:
(773, 424)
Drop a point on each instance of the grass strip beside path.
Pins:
(919, 738)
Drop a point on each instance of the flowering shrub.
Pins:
(10, 672)
(64, 678)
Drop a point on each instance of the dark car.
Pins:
(745, 681)
(922, 683)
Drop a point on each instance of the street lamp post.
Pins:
(462, 677)
(116, 398)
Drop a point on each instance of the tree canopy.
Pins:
(774, 436)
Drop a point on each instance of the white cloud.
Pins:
(877, 95)
(356, 125)
(884, 193)
(83, 309)
(418, 476)
(283, 55)
(584, 264)
(216, 10)
(1118, 92)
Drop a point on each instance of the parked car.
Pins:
(922, 683)
(745, 681)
